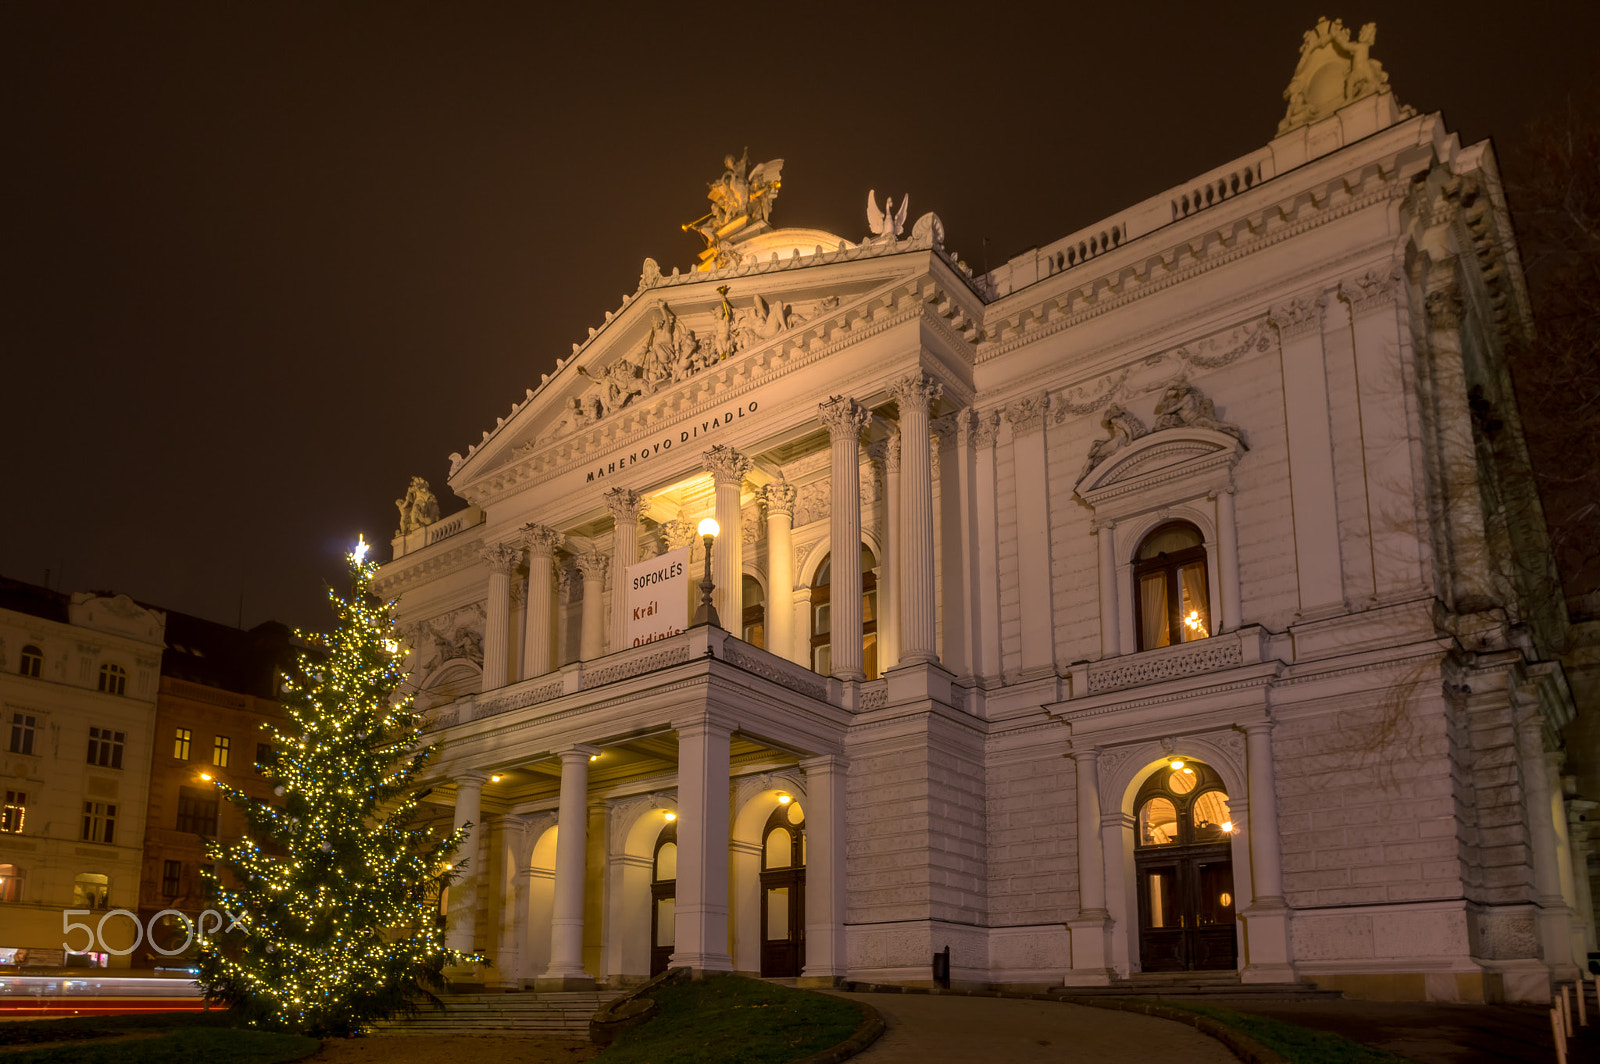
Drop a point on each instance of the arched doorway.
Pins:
(663, 898)
(783, 890)
(1183, 867)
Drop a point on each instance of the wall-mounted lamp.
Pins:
(671, 817)
(784, 799)
(495, 778)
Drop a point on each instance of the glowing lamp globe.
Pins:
(709, 527)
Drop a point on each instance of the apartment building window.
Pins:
(197, 811)
(219, 751)
(99, 822)
(10, 883)
(113, 679)
(90, 890)
(266, 756)
(105, 747)
(180, 744)
(14, 811)
(32, 661)
(171, 878)
(22, 725)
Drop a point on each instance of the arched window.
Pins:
(663, 898)
(822, 616)
(10, 883)
(754, 628)
(1182, 806)
(32, 661)
(90, 890)
(113, 679)
(1171, 601)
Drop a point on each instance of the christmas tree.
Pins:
(340, 883)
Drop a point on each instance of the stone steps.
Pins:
(562, 1014)
(1196, 985)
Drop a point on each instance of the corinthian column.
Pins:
(915, 395)
(541, 541)
(624, 506)
(501, 558)
(593, 567)
(845, 419)
(780, 568)
(727, 468)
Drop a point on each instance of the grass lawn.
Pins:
(728, 1019)
(148, 1038)
(1299, 1044)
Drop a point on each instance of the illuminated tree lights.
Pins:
(340, 885)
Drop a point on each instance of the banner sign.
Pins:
(658, 597)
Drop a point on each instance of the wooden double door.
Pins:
(1186, 911)
(783, 922)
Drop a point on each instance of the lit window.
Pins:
(753, 629)
(32, 661)
(113, 679)
(180, 744)
(14, 812)
(1158, 823)
(105, 747)
(10, 883)
(91, 891)
(219, 751)
(822, 616)
(1169, 577)
(99, 822)
(22, 725)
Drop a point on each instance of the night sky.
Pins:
(264, 262)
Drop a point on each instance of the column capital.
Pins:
(824, 763)
(1296, 317)
(986, 428)
(1027, 414)
(844, 417)
(501, 558)
(915, 391)
(947, 428)
(779, 497)
(591, 563)
(1444, 306)
(471, 778)
(577, 753)
(542, 541)
(1371, 290)
(624, 504)
(1256, 727)
(1088, 755)
(891, 451)
(726, 465)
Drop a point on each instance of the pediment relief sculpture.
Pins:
(457, 635)
(1182, 406)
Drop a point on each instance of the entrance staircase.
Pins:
(562, 1014)
(1192, 985)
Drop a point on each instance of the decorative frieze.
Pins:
(1027, 414)
(1205, 655)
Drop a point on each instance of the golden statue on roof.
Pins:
(741, 202)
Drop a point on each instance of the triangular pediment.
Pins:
(680, 336)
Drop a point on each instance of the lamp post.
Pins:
(707, 613)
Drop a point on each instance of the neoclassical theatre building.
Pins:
(1146, 604)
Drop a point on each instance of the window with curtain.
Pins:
(1171, 598)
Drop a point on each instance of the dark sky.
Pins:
(264, 262)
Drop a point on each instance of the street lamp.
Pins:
(707, 613)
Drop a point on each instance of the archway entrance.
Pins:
(663, 899)
(1183, 864)
(783, 890)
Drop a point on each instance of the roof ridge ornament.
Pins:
(1333, 71)
(741, 204)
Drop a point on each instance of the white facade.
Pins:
(1280, 359)
(78, 682)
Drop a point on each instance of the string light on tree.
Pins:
(340, 884)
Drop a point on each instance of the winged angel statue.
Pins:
(741, 199)
(888, 223)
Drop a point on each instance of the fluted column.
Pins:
(889, 585)
(461, 921)
(727, 468)
(501, 558)
(1266, 920)
(624, 506)
(845, 419)
(780, 568)
(915, 395)
(542, 542)
(593, 567)
(566, 970)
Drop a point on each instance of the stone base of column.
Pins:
(503, 984)
(548, 983)
(1555, 939)
(465, 977)
(918, 682)
(1266, 945)
(823, 981)
(1091, 952)
(702, 964)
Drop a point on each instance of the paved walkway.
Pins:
(924, 1029)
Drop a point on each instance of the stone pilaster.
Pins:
(501, 558)
(779, 498)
